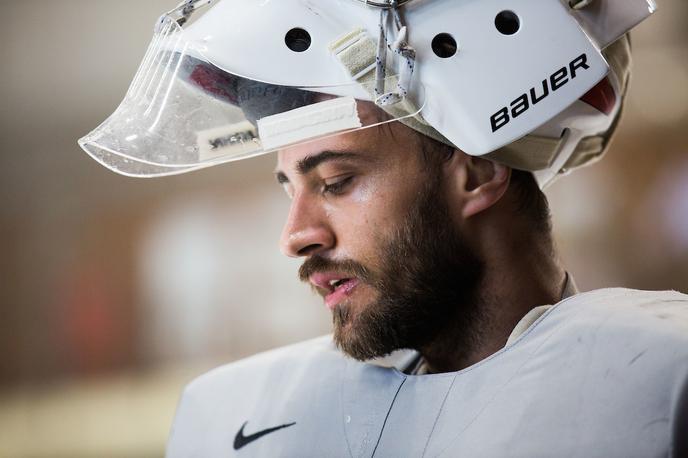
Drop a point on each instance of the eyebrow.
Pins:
(308, 163)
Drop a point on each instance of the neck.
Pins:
(514, 282)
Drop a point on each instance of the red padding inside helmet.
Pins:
(602, 97)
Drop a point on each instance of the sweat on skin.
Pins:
(350, 199)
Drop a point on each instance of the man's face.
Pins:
(372, 220)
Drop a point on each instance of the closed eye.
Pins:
(338, 187)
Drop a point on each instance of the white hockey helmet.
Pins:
(535, 84)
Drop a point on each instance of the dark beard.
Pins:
(427, 287)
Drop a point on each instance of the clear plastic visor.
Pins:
(183, 113)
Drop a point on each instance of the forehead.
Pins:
(383, 143)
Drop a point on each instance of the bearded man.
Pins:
(394, 230)
(417, 209)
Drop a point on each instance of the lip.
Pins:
(334, 296)
(342, 292)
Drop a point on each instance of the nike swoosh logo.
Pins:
(241, 441)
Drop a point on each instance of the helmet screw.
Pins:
(579, 4)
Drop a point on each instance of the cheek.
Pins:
(366, 193)
(374, 204)
(371, 214)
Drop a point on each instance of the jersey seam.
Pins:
(384, 423)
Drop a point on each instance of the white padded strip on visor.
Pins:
(307, 122)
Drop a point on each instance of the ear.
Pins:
(480, 182)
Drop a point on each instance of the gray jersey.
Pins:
(603, 373)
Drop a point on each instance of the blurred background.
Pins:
(115, 292)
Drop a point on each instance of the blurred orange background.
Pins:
(117, 291)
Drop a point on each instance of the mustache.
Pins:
(349, 267)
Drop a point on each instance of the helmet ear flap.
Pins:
(583, 132)
(592, 148)
(618, 54)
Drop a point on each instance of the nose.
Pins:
(307, 230)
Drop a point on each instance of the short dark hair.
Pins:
(530, 199)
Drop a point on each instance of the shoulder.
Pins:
(625, 297)
(647, 329)
(608, 367)
(268, 388)
(275, 364)
(650, 314)
(619, 343)
(625, 344)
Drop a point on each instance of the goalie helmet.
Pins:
(535, 84)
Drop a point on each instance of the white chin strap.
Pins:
(568, 144)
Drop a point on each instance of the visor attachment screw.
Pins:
(384, 4)
(579, 4)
